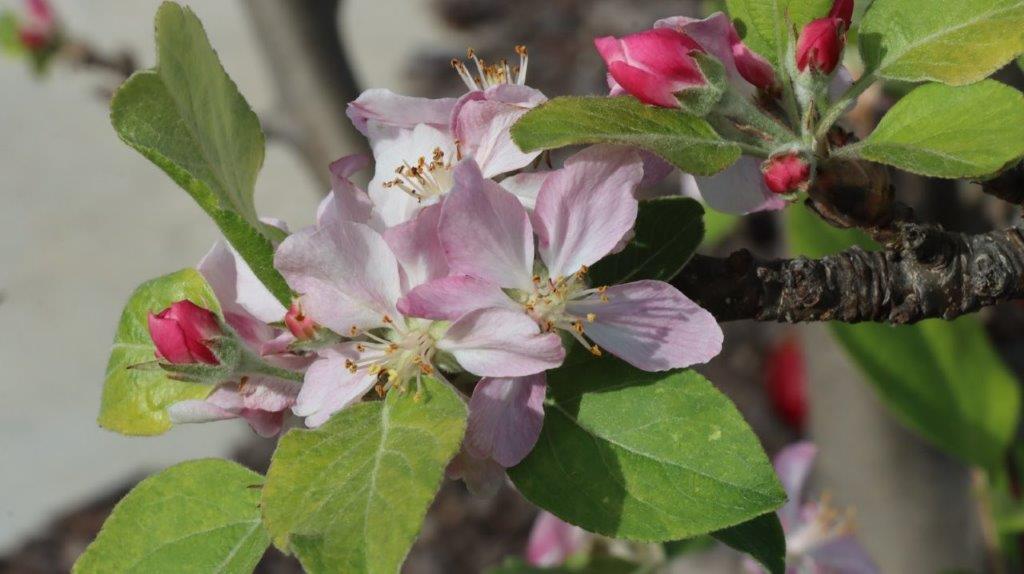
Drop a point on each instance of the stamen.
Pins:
(489, 75)
(591, 317)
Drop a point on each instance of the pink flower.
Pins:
(351, 279)
(786, 174)
(249, 308)
(820, 46)
(552, 541)
(716, 35)
(182, 332)
(818, 538)
(417, 142)
(652, 65)
(581, 213)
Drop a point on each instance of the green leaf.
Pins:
(10, 42)
(762, 538)
(686, 141)
(188, 118)
(585, 565)
(951, 132)
(717, 225)
(135, 399)
(198, 516)
(942, 379)
(762, 23)
(351, 495)
(955, 43)
(668, 231)
(645, 456)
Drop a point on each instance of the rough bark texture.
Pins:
(923, 272)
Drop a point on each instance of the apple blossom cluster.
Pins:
(459, 259)
(667, 66)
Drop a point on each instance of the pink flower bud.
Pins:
(843, 9)
(299, 323)
(39, 26)
(181, 333)
(652, 65)
(754, 68)
(786, 173)
(821, 44)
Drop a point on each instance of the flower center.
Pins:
(547, 302)
(427, 179)
(828, 524)
(398, 354)
(489, 75)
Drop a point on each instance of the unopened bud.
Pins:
(821, 45)
(181, 333)
(652, 65)
(843, 9)
(785, 174)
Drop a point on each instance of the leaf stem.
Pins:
(839, 107)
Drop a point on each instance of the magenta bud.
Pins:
(842, 9)
(181, 333)
(820, 46)
(652, 65)
(299, 323)
(785, 174)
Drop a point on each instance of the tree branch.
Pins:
(923, 272)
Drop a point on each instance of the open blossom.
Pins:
(249, 309)
(652, 65)
(417, 142)
(351, 278)
(818, 537)
(581, 213)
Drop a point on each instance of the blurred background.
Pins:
(86, 219)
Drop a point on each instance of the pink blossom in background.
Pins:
(552, 541)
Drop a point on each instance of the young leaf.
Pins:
(955, 43)
(198, 516)
(350, 496)
(951, 132)
(135, 399)
(668, 231)
(943, 379)
(762, 538)
(686, 141)
(762, 23)
(645, 456)
(188, 118)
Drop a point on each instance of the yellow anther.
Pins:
(591, 317)
(391, 348)
(353, 331)
(578, 327)
(387, 319)
(360, 347)
(392, 375)
(595, 350)
(375, 369)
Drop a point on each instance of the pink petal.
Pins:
(452, 297)
(329, 387)
(405, 147)
(740, 189)
(386, 108)
(526, 186)
(236, 286)
(793, 466)
(417, 246)
(483, 476)
(552, 541)
(644, 86)
(485, 231)
(501, 343)
(347, 275)
(481, 122)
(585, 208)
(717, 36)
(650, 325)
(655, 169)
(346, 202)
(169, 339)
(505, 418)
